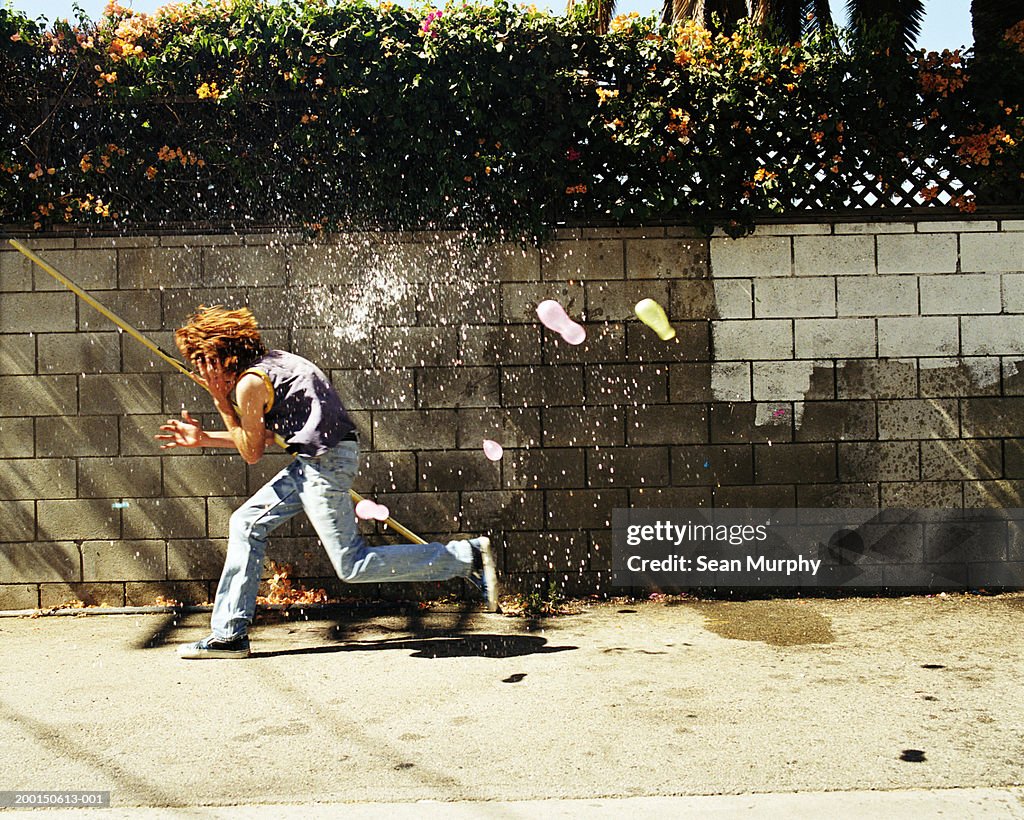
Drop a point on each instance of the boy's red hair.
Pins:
(218, 333)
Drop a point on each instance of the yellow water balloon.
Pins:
(653, 315)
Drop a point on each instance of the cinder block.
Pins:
(502, 344)
(551, 385)
(993, 494)
(40, 561)
(426, 514)
(211, 475)
(1013, 377)
(787, 463)
(960, 294)
(758, 498)
(38, 395)
(738, 422)
(519, 300)
(1011, 225)
(16, 438)
(18, 520)
(414, 429)
(923, 495)
(605, 342)
(273, 307)
(992, 252)
(821, 496)
(196, 558)
(680, 498)
(92, 242)
(555, 552)
(992, 417)
(58, 436)
(667, 258)
(77, 518)
(630, 385)
(833, 255)
(162, 518)
(730, 381)
(918, 419)
(690, 382)
(917, 253)
(79, 353)
(252, 266)
(879, 461)
(582, 509)
(441, 470)
(218, 517)
(200, 240)
(92, 269)
(375, 389)
(154, 593)
(792, 229)
(387, 471)
(19, 596)
(837, 421)
(956, 460)
(509, 262)
(37, 312)
(873, 227)
(615, 301)
(457, 387)
(103, 395)
(877, 379)
(628, 467)
(639, 232)
(28, 478)
(834, 338)
(958, 226)
(992, 335)
(17, 354)
(544, 468)
(57, 595)
(666, 424)
(124, 561)
(583, 259)
(788, 298)
(752, 256)
(125, 476)
(919, 336)
(142, 268)
(792, 381)
(505, 510)
(691, 343)
(438, 304)
(752, 339)
(961, 377)
(330, 352)
(583, 426)
(734, 299)
(877, 296)
(139, 308)
(709, 465)
(15, 271)
(511, 427)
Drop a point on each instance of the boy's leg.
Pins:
(271, 506)
(324, 491)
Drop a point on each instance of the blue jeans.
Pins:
(320, 487)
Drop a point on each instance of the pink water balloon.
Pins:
(493, 450)
(553, 316)
(382, 513)
(367, 509)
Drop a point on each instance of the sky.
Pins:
(947, 23)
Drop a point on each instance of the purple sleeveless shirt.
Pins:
(305, 410)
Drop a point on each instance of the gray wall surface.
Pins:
(819, 364)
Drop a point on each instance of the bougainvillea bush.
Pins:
(499, 118)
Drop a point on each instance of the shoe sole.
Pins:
(202, 654)
(490, 575)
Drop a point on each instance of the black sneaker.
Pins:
(485, 574)
(214, 647)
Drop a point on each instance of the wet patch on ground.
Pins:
(777, 623)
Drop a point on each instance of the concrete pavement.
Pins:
(772, 707)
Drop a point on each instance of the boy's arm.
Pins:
(245, 427)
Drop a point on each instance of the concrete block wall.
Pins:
(819, 364)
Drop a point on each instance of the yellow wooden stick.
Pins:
(167, 357)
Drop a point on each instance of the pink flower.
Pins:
(428, 22)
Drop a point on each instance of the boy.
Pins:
(283, 397)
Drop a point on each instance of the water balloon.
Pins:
(492, 449)
(653, 315)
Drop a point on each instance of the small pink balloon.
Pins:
(492, 449)
(574, 334)
(381, 513)
(553, 316)
(366, 508)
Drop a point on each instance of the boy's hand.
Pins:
(216, 379)
(186, 432)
